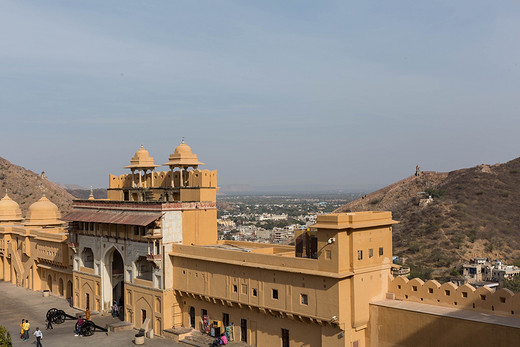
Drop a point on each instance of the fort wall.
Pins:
(500, 302)
(162, 179)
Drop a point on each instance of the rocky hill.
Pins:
(26, 187)
(473, 211)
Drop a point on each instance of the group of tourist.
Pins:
(25, 327)
(24, 332)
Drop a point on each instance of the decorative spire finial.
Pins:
(91, 197)
(182, 139)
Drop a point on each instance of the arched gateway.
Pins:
(113, 279)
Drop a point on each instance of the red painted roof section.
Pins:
(112, 217)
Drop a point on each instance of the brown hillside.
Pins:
(26, 187)
(474, 212)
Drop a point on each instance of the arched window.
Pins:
(144, 269)
(88, 258)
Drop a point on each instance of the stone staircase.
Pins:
(192, 337)
(17, 263)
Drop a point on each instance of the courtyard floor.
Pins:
(18, 303)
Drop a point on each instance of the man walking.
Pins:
(26, 328)
(39, 336)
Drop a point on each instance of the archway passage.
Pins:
(49, 283)
(118, 281)
(60, 287)
(69, 292)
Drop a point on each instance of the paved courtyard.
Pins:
(18, 303)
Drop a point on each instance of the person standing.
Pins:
(115, 309)
(26, 328)
(87, 314)
(39, 337)
(22, 331)
(78, 325)
(49, 323)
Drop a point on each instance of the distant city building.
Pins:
(481, 269)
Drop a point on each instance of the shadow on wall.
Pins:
(455, 316)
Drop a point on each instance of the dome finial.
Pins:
(91, 197)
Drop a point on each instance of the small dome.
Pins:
(141, 160)
(42, 213)
(183, 156)
(9, 210)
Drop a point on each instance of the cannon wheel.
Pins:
(51, 313)
(59, 317)
(88, 328)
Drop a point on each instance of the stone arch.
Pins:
(113, 277)
(143, 311)
(68, 292)
(87, 293)
(144, 269)
(49, 283)
(87, 257)
(60, 287)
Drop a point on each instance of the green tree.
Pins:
(5, 338)
(454, 272)
(512, 284)
(434, 193)
(423, 273)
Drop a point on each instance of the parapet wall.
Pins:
(502, 302)
(162, 179)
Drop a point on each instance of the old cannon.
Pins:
(88, 327)
(57, 316)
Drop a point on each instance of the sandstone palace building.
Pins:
(152, 247)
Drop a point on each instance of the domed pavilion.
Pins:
(43, 213)
(9, 210)
(183, 158)
(141, 162)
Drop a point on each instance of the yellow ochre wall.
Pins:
(87, 284)
(391, 327)
(264, 329)
(158, 305)
(199, 227)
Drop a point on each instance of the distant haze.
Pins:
(269, 93)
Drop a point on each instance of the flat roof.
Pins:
(443, 311)
(228, 247)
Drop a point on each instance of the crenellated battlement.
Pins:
(503, 301)
(162, 179)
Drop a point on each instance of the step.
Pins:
(176, 334)
(120, 326)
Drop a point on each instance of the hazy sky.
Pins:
(266, 92)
